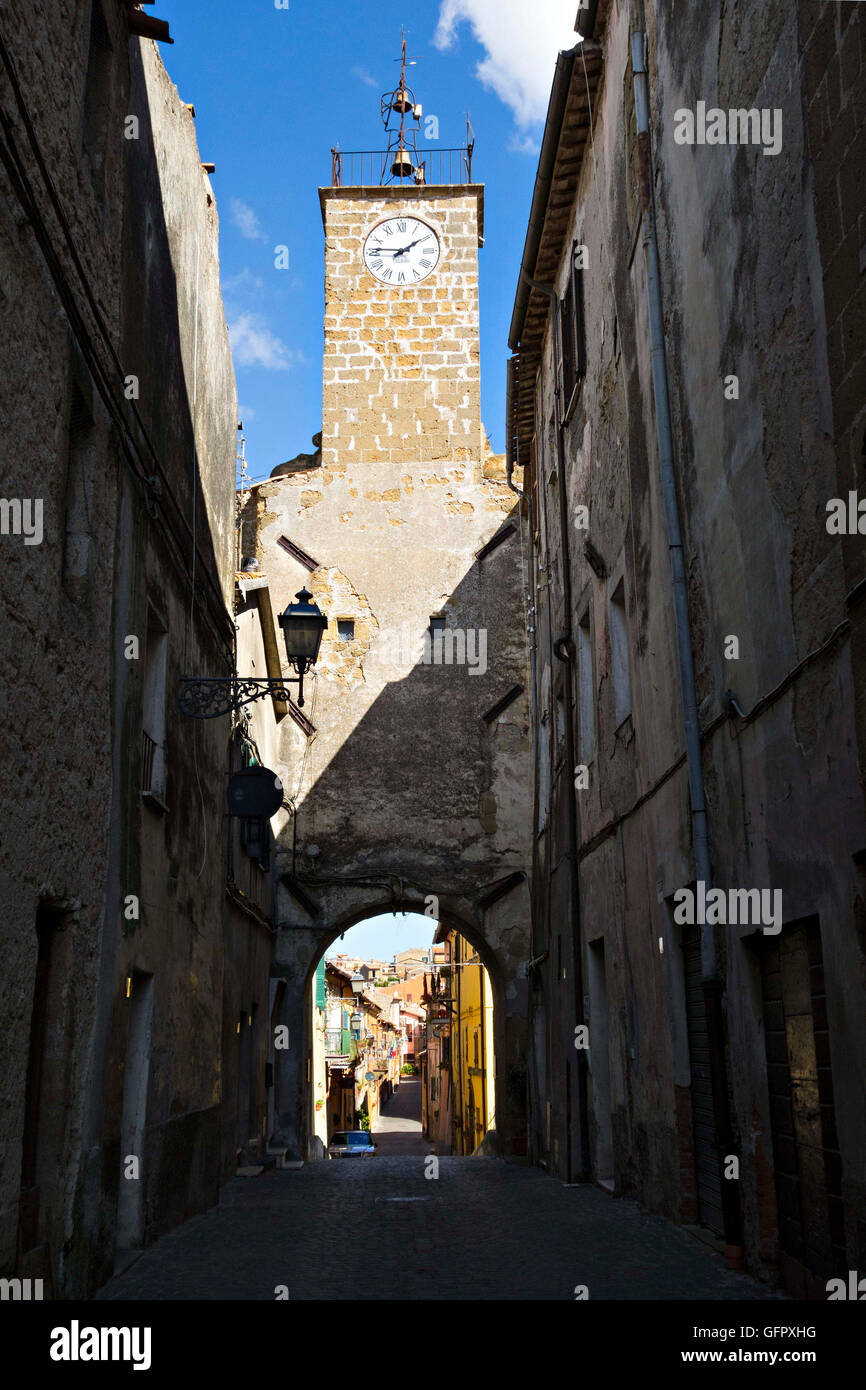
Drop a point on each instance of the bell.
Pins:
(402, 168)
(401, 103)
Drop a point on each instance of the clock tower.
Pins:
(406, 768)
(401, 376)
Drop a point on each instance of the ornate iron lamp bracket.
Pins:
(205, 697)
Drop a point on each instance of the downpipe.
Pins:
(711, 981)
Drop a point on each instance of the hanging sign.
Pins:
(256, 792)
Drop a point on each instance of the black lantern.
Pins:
(302, 623)
(206, 697)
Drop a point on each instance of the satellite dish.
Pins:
(255, 794)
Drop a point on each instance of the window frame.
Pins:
(570, 352)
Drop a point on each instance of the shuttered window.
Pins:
(571, 351)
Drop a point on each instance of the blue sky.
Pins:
(380, 937)
(274, 89)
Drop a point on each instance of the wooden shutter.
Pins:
(578, 324)
(568, 357)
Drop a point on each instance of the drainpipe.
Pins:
(563, 648)
(711, 981)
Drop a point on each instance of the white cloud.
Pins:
(246, 221)
(254, 345)
(246, 412)
(523, 144)
(364, 76)
(242, 283)
(521, 40)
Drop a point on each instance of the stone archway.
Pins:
(496, 926)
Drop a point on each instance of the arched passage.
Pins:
(495, 929)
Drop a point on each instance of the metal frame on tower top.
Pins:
(402, 162)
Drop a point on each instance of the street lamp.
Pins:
(302, 623)
(358, 983)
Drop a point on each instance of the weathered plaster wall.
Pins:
(741, 275)
(55, 680)
(146, 303)
(785, 798)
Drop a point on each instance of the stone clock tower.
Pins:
(408, 766)
(401, 372)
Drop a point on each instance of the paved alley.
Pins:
(398, 1128)
(483, 1229)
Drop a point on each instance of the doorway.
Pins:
(806, 1157)
(129, 1235)
(50, 1048)
(708, 1183)
(599, 1064)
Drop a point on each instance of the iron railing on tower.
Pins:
(373, 168)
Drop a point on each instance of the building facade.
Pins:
(459, 1070)
(683, 396)
(123, 1084)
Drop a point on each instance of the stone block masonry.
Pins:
(401, 374)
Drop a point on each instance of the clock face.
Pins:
(401, 251)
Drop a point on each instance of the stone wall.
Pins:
(744, 295)
(121, 395)
(401, 380)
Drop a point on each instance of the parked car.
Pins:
(351, 1143)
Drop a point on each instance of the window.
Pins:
(437, 624)
(475, 1046)
(153, 710)
(619, 655)
(572, 347)
(585, 690)
(346, 629)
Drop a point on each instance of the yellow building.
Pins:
(470, 1053)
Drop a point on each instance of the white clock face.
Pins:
(401, 251)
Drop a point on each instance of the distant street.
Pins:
(398, 1128)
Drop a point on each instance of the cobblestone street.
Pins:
(531, 1238)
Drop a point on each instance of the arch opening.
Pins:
(400, 1025)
